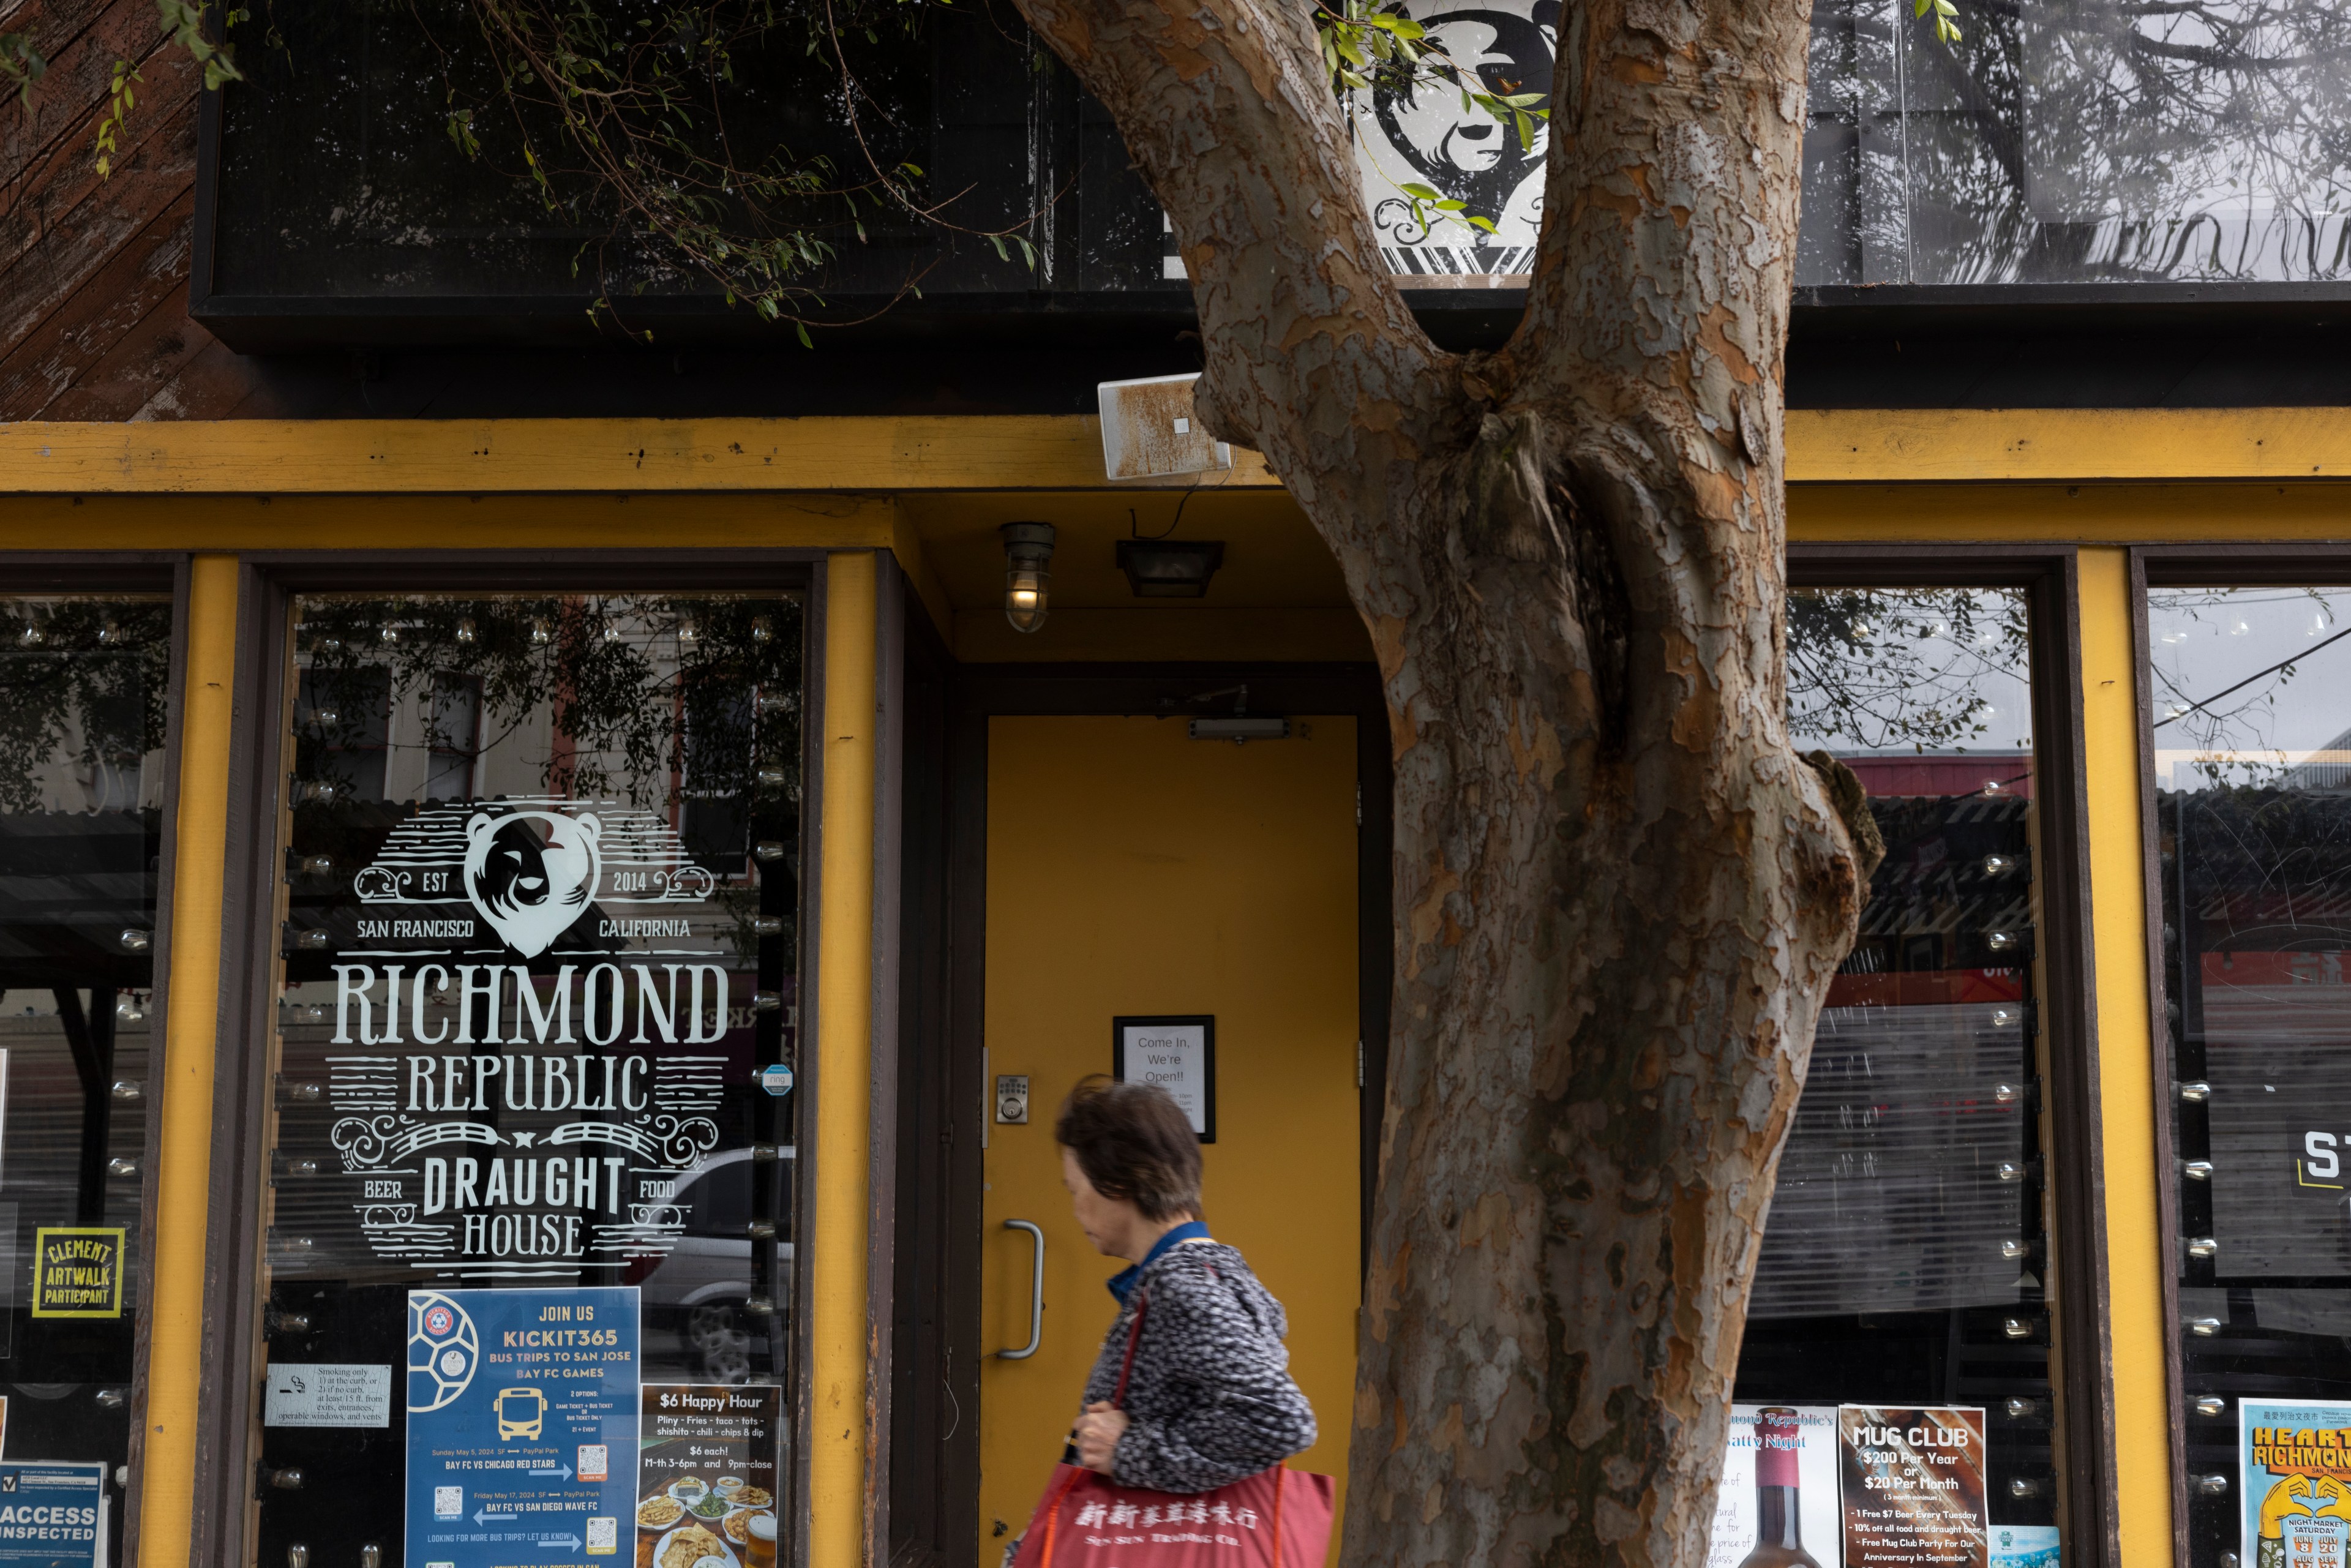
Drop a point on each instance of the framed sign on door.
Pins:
(1179, 1053)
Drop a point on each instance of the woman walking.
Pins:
(1208, 1397)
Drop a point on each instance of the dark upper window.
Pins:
(2067, 143)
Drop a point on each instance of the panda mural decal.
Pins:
(530, 873)
(1430, 136)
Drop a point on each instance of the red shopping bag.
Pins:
(1277, 1518)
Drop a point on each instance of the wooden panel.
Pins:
(1001, 452)
(93, 273)
(1845, 444)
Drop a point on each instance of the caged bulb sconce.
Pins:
(1028, 574)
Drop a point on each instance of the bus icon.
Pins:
(522, 1411)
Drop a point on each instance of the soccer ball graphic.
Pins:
(443, 1350)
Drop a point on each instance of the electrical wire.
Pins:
(2249, 680)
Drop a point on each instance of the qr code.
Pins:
(594, 1464)
(448, 1502)
(603, 1537)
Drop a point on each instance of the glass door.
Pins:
(528, 1262)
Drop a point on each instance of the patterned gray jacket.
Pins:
(1210, 1398)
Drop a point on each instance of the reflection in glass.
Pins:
(1906, 1258)
(537, 1001)
(83, 699)
(2073, 142)
(2252, 762)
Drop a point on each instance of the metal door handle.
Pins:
(1036, 1292)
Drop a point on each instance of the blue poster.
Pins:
(2294, 1466)
(52, 1515)
(522, 1426)
(2025, 1546)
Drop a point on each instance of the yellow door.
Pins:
(1132, 869)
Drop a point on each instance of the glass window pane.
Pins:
(83, 698)
(1903, 1273)
(536, 1020)
(2074, 143)
(2253, 772)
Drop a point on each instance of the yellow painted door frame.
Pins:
(2128, 1103)
(845, 1407)
(176, 1334)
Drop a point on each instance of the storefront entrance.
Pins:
(1134, 872)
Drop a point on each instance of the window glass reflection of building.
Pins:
(83, 700)
(1905, 1260)
(2251, 737)
(453, 716)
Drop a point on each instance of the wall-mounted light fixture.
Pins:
(1241, 725)
(1170, 569)
(1241, 728)
(1027, 572)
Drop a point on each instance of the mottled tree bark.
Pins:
(1620, 894)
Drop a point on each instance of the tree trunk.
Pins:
(1620, 894)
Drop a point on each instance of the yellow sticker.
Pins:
(76, 1272)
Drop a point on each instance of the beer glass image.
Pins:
(761, 1547)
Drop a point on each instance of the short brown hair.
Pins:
(1134, 1144)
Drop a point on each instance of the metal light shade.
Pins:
(1170, 569)
(1028, 575)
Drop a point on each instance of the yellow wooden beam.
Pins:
(1001, 452)
(836, 1248)
(1844, 445)
(1034, 452)
(595, 520)
(2110, 512)
(2127, 1103)
(192, 1006)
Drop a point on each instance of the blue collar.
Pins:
(1123, 1283)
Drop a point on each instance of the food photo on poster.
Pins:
(707, 1475)
(2293, 1467)
(1913, 1486)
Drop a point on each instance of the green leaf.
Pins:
(801, 328)
(21, 66)
(1424, 192)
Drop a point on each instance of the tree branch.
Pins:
(1313, 357)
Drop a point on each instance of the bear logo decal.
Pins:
(530, 873)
